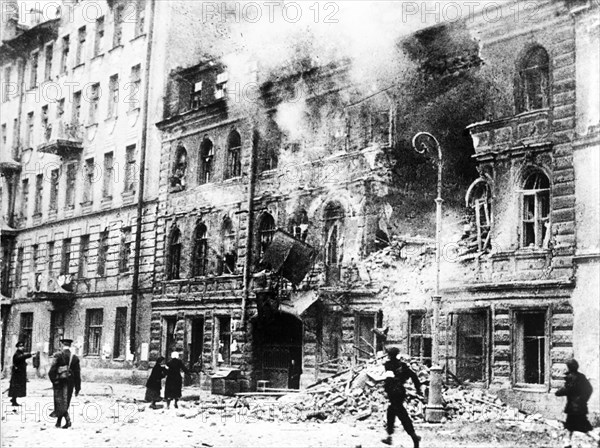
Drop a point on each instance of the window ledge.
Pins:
(232, 179)
(115, 47)
(128, 197)
(106, 202)
(91, 125)
(135, 110)
(138, 37)
(79, 65)
(98, 56)
(529, 113)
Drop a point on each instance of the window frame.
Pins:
(174, 254)
(526, 102)
(206, 165)
(200, 250)
(234, 155)
(515, 315)
(93, 330)
(538, 221)
(120, 336)
(422, 336)
(81, 38)
(103, 245)
(26, 330)
(265, 234)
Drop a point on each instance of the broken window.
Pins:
(334, 219)
(478, 222)
(471, 340)
(57, 330)
(533, 81)
(531, 346)
(366, 343)
(266, 229)
(221, 85)
(298, 225)
(179, 169)
(228, 258)
(84, 252)
(207, 154)
(234, 151)
(536, 211)
(419, 332)
(200, 251)
(196, 96)
(39, 191)
(174, 254)
(169, 338)
(70, 190)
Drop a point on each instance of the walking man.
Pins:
(578, 390)
(18, 378)
(65, 375)
(397, 373)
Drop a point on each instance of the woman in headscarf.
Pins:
(173, 383)
(18, 378)
(154, 383)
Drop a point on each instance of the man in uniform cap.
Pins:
(63, 387)
(18, 377)
(397, 373)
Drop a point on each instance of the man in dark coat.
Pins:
(63, 388)
(18, 378)
(397, 373)
(578, 390)
(173, 382)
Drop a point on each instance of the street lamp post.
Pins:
(425, 142)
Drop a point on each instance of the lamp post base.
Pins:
(434, 412)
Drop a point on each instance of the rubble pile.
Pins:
(358, 395)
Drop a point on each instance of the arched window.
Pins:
(535, 231)
(228, 250)
(234, 155)
(534, 73)
(199, 251)
(205, 167)
(266, 229)
(174, 254)
(298, 225)
(179, 169)
(334, 220)
(479, 208)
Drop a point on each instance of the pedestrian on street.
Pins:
(18, 378)
(578, 390)
(397, 373)
(154, 383)
(65, 374)
(173, 382)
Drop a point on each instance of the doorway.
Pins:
(278, 348)
(195, 343)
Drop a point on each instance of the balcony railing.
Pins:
(62, 139)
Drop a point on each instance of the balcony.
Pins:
(526, 130)
(8, 166)
(62, 139)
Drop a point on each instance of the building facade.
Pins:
(521, 298)
(79, 182)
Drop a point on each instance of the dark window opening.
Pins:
(65, 259)
(334, 218)
(266, 229)
(224, 340)
(125, 250)
(102, 253)
(93, 332)
(174, 254)
(228, 253)
(84, 248)
(179, 169)
(298, 225)
(200, 252)
(207, 154)
(234, 151)
(27, 330)
(471, 337)
(533, 80)
(120, 341)
(531, 345)
(57, 330)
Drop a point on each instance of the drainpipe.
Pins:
(250, 227)
(141, 184)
